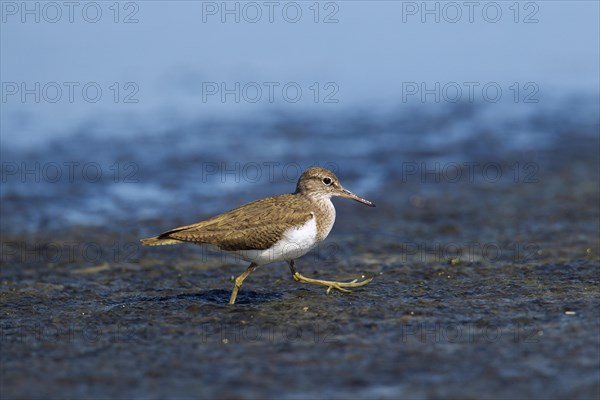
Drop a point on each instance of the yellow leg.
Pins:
(341, 286)
(239, 280)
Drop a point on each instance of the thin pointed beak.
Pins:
(346, 193)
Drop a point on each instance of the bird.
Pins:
(273, 229)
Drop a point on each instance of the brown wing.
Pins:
(253, 226)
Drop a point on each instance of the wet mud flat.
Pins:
(481, 290)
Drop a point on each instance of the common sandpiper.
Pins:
(278, 228)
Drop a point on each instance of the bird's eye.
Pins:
(327, 181)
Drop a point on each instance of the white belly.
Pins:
(294, 243)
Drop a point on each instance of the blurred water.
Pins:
(162, 55)
(197, 169)
(179, 150)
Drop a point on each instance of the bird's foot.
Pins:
(341, 286)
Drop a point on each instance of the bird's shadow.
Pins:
(210, 296)
(221, 296)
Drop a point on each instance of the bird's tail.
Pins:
(157, 241)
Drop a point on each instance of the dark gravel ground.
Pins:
(482, 290)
